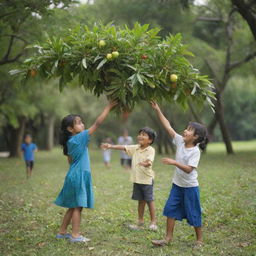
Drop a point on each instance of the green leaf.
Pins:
(131, 67)
(84, 63)
(15, 72)
(149, 83)
(98, 57)
(139, 78)
(101, 63)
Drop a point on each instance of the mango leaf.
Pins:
(101, 63)
(15, 71)
(84, 63)
(139, 78)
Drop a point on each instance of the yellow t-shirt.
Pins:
(141, 174)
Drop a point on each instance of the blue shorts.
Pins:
(184, 203)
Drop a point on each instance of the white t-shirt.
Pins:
(186, 156)
(124, 141)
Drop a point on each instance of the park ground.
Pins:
(29, 220)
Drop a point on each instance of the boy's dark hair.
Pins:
(150, 132)
(67, 121)
(201, 131)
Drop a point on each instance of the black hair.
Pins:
(201, 131)
(67, 121)
(150, 132)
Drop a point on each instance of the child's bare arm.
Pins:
(163, 119)
(110, 146)
(102, 117)
(183, 167)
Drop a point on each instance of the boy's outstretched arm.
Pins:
(110, 146)
(163, 119)
(102, 117)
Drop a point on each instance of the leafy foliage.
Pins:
(128, 65)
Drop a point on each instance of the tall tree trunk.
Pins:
(166, 146)
(223, 127)
(193, 112)
(50, 133)
(212, 126)
(159, 142)
(16, 137)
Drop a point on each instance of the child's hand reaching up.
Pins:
(155, 105)
(112, 104)
(169, 161)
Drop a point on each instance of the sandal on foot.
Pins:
(160, 242)
(61, 236)
(198, 245)
(80, 239)
(153, 227)
(135, 227)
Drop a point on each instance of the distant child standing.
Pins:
(28, 148)
(77, 191)
(142, 174)
(125, 139)
(107, 154)
(184, 198)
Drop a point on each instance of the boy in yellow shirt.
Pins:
(142, 174)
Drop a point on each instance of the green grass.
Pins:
(29, 219)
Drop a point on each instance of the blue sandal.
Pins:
(65, 236)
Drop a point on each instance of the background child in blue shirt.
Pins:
(28, 148)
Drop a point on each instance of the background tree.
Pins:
(16, 18)
(247, 9)
(236, 37)
(19, 26)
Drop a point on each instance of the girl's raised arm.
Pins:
(102, 117)
(163, 119)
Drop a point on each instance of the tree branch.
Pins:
(6, 58)
(15, 36)
(5, 61)
(239, 63)
(6, 14)
(229, 32)
(215, 77)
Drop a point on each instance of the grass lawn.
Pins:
(29, 220)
